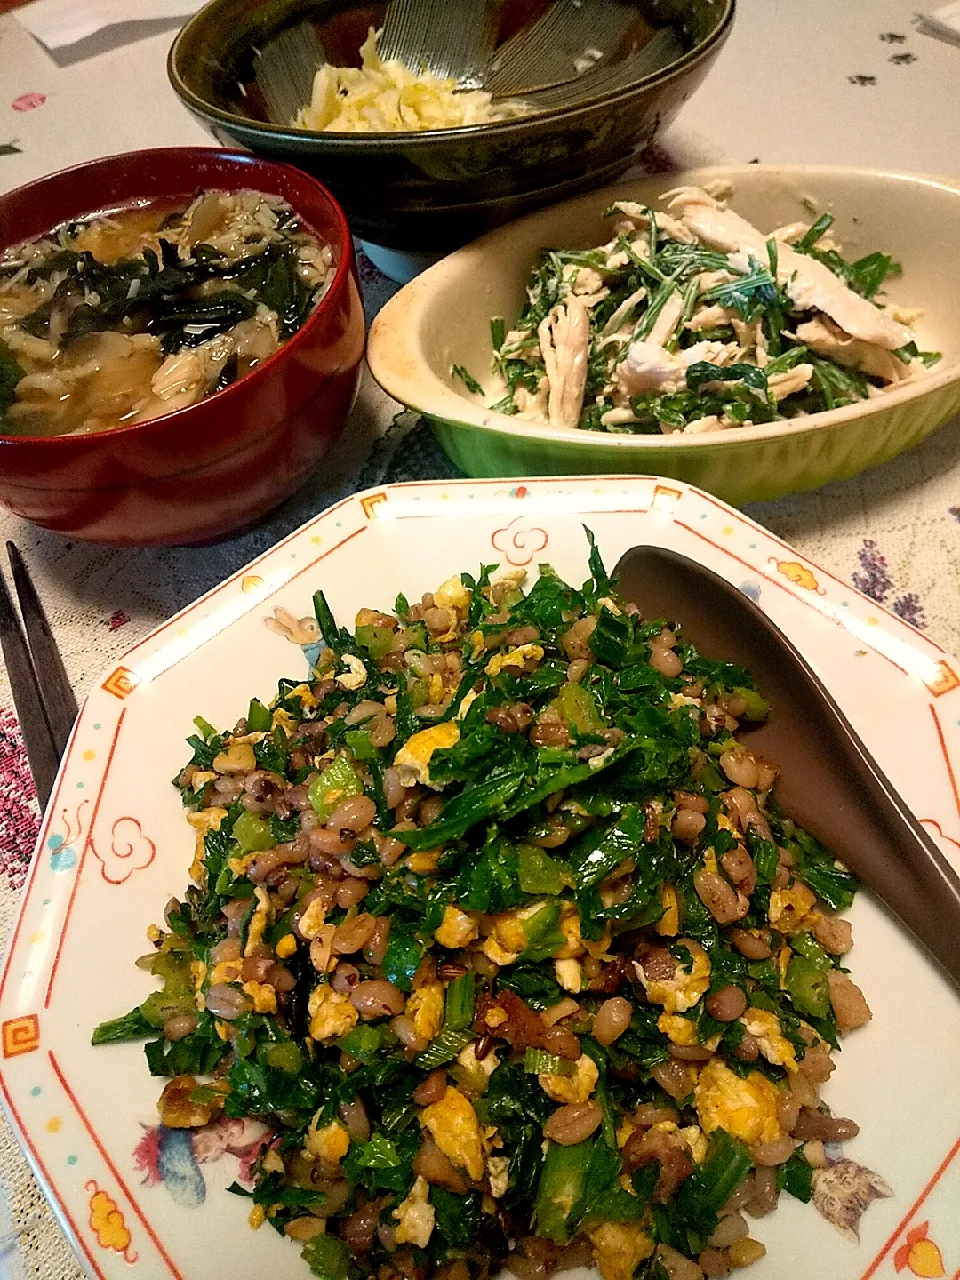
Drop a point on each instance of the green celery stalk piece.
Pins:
(378, 641)
(252, 833)
(561, 1185)
(807, 986)
(159, 1006)
(444, 1048)
(337, 782)
(757, 708)
(543, 933)
(579, 708)
(358, 740)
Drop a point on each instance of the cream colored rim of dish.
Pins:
(398, 363)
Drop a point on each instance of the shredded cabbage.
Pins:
(385, 96)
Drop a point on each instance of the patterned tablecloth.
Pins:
(806, 81)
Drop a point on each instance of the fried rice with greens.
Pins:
(497, 929)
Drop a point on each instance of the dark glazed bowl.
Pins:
(223, 463)
(439, 189)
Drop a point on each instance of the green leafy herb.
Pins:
(472, 385)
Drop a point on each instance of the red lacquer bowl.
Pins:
(219, 465)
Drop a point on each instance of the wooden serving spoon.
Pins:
(829, 783)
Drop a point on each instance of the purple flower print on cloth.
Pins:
(874, 580)
(19, 820)
(909, 608)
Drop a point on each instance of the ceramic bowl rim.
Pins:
(264, 370)
(427, 139)
(398, 366)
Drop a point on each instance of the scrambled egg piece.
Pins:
(574, 944)
(696, 1140)
(425, 1007)
(790, 908)
(424, 862)
(452, 594)
(508, 937)
(226, 971)
(264, 997)
(262, 916)
(684, 989)
(513, 658)
(574, 1088)
(312, 920)
(331, 1013)
(774, 1046)
(412, 761)
(456, 929)
(569, 975)
(677, 1030)
(680, 1030)
(238, 758)
(355, 676)
(330, 1143)
(198, 971)
(286, 946)
(203, 821)
(456, 1130)
(498, 1171)
(619, 1248)
(416, 1215)
(668, 926)
(745, 1108)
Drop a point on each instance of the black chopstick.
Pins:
(44, 701)
(58, 701)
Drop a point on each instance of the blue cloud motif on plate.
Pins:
(751, 589)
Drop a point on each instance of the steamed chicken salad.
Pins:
(690, 320)
(495, 928)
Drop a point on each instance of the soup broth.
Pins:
(132, 314)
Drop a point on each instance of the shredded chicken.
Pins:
(666, 321)
(828, 339)
(809, 284)
(564, 343)
(648, 367)
(790, 381)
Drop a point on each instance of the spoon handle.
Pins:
(829, 783)
(901, 861)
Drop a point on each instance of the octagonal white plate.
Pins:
(114, 847)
